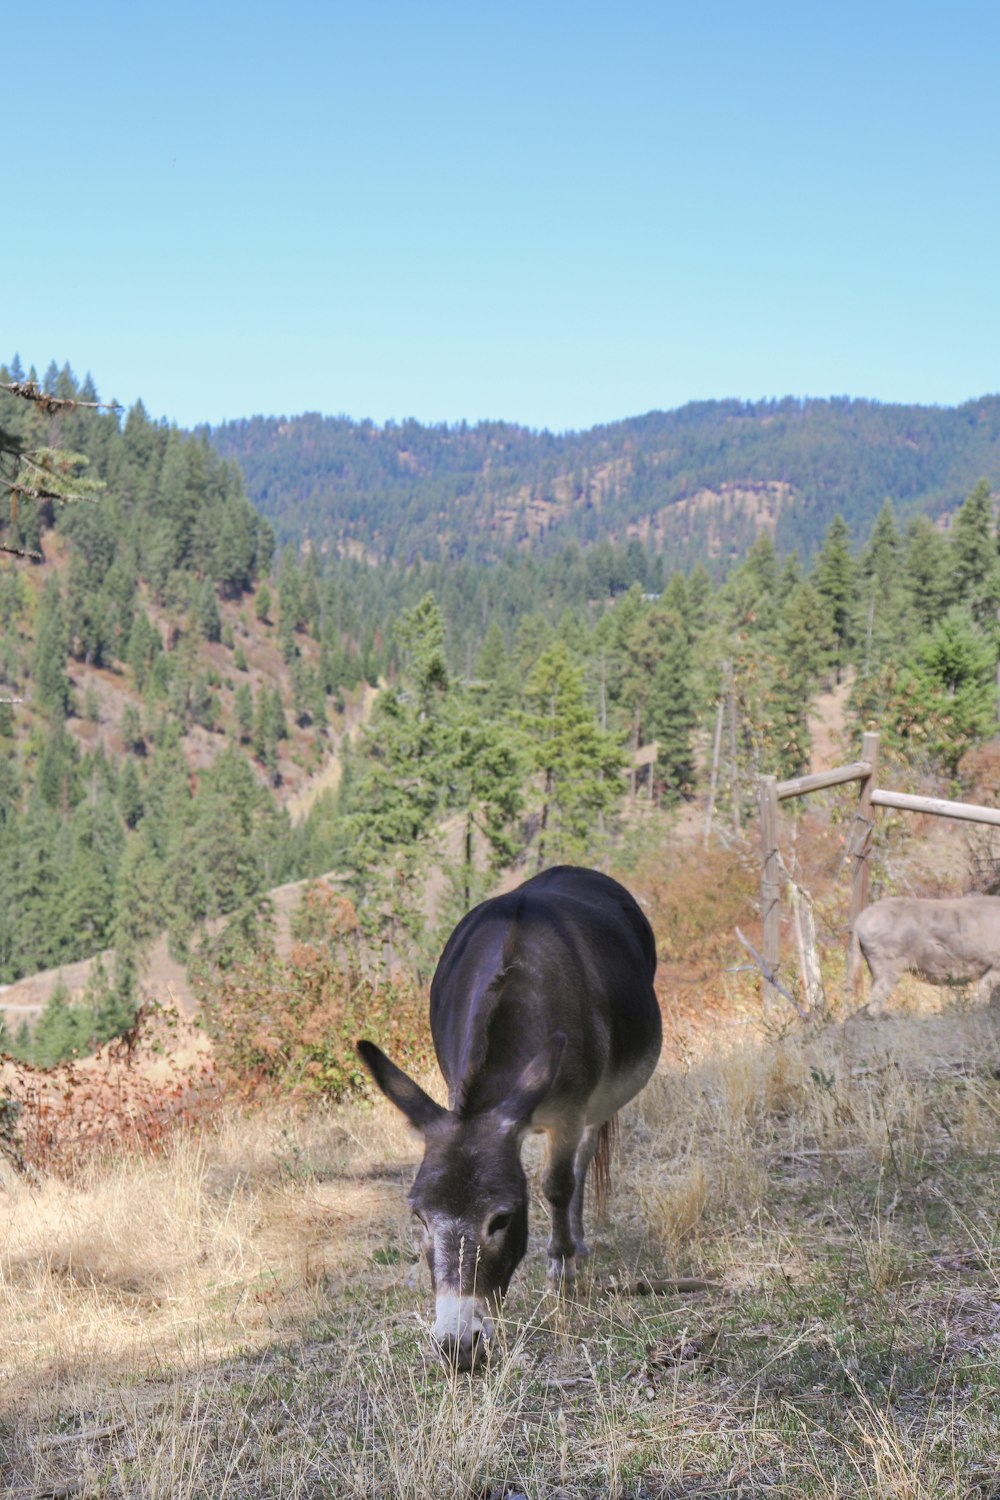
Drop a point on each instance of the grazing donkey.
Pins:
(942, 940)
(544, 1018)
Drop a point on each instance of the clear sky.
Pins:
(553, 213)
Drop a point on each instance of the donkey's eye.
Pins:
(498, 1223)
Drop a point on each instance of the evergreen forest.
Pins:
(176, 662)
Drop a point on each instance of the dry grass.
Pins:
(247, 1315)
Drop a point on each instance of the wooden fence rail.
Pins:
(969, 812)
(820, 780)
(772, 792)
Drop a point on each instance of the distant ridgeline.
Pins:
(697, 483)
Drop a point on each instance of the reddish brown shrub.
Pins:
(130, 1096)
(696, 903)
(290, 1025)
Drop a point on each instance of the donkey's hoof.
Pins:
(562, 1270)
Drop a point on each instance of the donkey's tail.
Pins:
(600, 1167)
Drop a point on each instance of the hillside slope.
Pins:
(159, 706)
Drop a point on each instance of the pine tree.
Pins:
(265, 734)
(289, 602)
(209, 621)
(494, 671)
(233, 566)
(834, 581)
(672, 711)
(301, 695)
(881, 628)
(278, 720)
(484, 767)
(580, 764)
(51, 646)
(317, 701)
(310, 612)
(947, 696)
(804, 651)
(928, 566)
(243, 711)
(132, 736)
(760, 572)
(58, 1032)
(178, 500)
(130, 795)
(976, 570)
(638, 642)
(139, 907)
(57, 780)
(400, 783)
(144, 646)
(86, 901)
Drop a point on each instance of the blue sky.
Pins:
(557, 214)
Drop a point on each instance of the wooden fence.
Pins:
(864, 771)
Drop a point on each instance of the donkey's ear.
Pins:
(534, 1085)
(418, 1107)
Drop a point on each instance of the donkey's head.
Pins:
(470, 1196)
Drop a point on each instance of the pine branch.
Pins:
(30, 390)
(21, 552)
(49, 475)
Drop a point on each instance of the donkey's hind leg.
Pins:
(585, 1154)
(988, 988)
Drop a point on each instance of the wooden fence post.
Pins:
(861, 843)
(770, 891)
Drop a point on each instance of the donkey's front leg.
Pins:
(559, 1186)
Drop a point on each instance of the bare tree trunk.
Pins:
(860, 845)
(633, 774)
(467, 874)
(734, 790)
(805, 932)
(770, 892)
(714, 781)
(868, 635)
(543, 826)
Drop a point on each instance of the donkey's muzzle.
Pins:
(463, 1353)
(462, 1331)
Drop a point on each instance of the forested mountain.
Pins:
(166, 676)
(697, 483)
